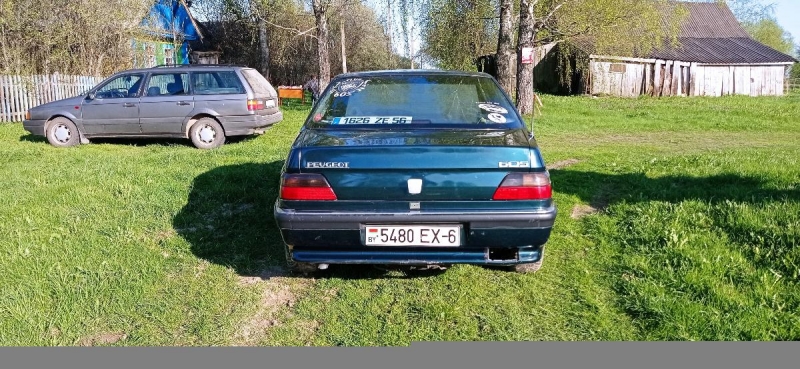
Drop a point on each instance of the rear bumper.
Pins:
(35, 127)
(249, 124)
(338, 237)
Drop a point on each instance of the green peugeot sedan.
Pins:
(428, 168)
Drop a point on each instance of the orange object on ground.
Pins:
(290, 92)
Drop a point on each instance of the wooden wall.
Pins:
(633, 77)
(753, 80)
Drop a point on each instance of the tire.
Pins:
(528, 268)
(296, 266)
(61, 132)
(206, 134)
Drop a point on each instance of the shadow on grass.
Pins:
(601, 189)
(32, 138)
(228, 221)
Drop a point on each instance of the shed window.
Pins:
(617, 68)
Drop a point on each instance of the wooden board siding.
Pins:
(678, 78)
(629, 83)
(755, 80)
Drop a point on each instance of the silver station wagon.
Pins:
(205, 103)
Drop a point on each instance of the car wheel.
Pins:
(296, 266)
(206, 133)
(528, 268)
(61, 132)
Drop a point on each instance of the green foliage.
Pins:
(90, 37)
(457, 32)
(795, 73)
(624, 27)
(768, 32)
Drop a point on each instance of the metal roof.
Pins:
(710, 20)
(735, 50)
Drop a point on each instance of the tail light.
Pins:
(307, 187)
(253, 105)
(525, 186)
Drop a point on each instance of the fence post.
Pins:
(2, 98)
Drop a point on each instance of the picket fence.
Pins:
(20, 93)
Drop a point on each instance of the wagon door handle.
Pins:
(183, 103)
(129, 105)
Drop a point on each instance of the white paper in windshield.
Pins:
(371, 120)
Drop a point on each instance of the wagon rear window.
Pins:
(414, 100)
(216, 83)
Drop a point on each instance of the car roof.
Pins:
(412, 72)
(184, 67)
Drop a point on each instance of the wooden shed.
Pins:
(715, 56)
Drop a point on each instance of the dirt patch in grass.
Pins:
(563, 163)
(580, 211)
(107, 338)
(279, 292)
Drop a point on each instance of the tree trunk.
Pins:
(264, 44)
(505, 56)
(344, 54)
(527, 33)
(390, 32)
(323, 57)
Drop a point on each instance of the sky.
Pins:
(787, 12)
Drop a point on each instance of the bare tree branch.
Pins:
(299, 32)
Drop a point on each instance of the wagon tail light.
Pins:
(253, 105)
(308, 187)
(525, 186)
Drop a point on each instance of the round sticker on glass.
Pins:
(492, 108)
(349, 86)
(497, 118)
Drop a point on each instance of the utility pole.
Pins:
(344, 55)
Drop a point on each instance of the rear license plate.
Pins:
(416, 235)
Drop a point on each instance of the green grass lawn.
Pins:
(679, 220)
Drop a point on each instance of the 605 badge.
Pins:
(413, 235)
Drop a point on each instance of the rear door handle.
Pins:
(129, 105)
(182, 103)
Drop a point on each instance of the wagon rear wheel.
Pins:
(207, 133)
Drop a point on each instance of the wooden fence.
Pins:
(20, 93)
(792, 85)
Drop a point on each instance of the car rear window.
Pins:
(216, 83)
(258, 83)
(433, 100)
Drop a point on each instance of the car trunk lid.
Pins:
(390, 165)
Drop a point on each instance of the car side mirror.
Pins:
(90, 96)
